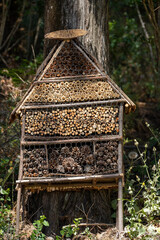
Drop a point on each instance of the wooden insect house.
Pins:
(71, 124)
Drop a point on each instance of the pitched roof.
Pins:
(70, 61)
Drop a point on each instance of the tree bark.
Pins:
(60, 208)
(90, 15)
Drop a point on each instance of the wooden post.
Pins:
(120, 170)
(18, 208)
(20, 177)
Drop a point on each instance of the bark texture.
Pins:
(90, 15)
(60, 208)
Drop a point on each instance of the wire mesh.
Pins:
(72, 91)
(71, 122)
(63, 160)
(71, 109)
(70, 62)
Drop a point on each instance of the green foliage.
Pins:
(7, 225)
(25, 69)
(130, 59)
(143, 205)
(70, 231)
(37, 232)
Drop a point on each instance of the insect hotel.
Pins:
(71, 124)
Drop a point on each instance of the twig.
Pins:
(20, 78)
(93, 224)
(4, 61)
(35, 212)
(156, 8)
(34, 56)
(14, 29)
(37, 32)
(14, 44)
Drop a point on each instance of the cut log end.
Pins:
(66, 34)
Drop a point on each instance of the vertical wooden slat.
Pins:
(46, 149)
(94, 147)
(120, 170)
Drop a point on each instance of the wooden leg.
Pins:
(18, 209)
(120, 205)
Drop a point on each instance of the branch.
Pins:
(4, 18)
(145, 31)
(14, 29)
(4, 61)
(37, 32)
(156, 8)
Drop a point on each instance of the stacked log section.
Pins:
(34, 163)
(107, 156)
(72, 91)
(72, 121)
(70, 62)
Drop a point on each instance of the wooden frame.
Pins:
(72, 183)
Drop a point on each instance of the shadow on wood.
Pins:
(60, 208)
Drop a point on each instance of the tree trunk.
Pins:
(60, 208)
(90, 15)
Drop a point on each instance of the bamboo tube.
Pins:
(73, 121)
(61, 91)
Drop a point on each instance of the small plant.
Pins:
(70, 231)
(144, 205)
(37, 232)
(6, 226)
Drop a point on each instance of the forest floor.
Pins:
(110, 234)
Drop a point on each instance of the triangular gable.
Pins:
(70, 60)
(62, 63)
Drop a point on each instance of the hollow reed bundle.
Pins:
(70, 61)
(82, 121)
(72, 91)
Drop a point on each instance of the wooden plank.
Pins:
(70, 187)
(66, 34)
(61, 141)
(70, 179)
(70, 78)
(113, 101)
